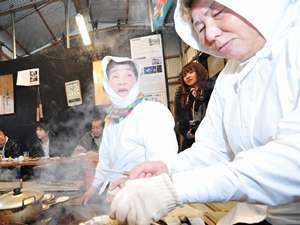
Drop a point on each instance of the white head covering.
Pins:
(267, 16)
(118, 101)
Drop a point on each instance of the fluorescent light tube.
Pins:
(83, 29)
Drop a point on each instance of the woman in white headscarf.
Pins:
(247, 147)
(136, 130)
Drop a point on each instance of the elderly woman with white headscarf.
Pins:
(136, 130)
(247, 147)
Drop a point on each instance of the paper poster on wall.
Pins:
(73, 93)
(148, 53)
(28, 77)
(6, 94)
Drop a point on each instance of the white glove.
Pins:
(143, 201)
(111, 194)
(100, 220)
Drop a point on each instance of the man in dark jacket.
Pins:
(43, 144)
(92, 139)
(8, 147)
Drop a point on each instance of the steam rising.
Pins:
(8, 174)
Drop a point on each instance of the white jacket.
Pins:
(248, 146)
(147, 133)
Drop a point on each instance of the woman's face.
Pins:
(223, 32)
(190, 78)
(121, 79)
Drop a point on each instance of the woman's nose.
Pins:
(212, 31)
(188, 76)
(122, 82)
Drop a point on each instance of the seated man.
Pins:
(43, 144)
(8, 147)
(46, 144)
(90, 144)
(92, 139)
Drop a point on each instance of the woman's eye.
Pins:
(199, 27)
(216, 13)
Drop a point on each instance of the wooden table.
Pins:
(43, 161)
(63, 186)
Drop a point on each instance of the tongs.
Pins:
(106, 183)
(125, 173)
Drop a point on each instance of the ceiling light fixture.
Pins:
(83, 29)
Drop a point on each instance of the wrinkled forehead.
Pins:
(97, 123)
(121, 68)
(202, 3)
(203, 6)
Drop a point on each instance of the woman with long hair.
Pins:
(191, 101)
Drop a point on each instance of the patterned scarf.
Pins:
(115, 115)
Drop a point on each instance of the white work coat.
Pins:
(147, 133)
(248, 145)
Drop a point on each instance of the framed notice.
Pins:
(147, 52)
(73, 93)
(28, 77)
(6, 94)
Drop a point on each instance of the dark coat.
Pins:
(12, 149)
(184, 112)
(35, 148)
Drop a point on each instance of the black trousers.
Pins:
(260, 223)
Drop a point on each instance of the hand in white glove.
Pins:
(143, 170)
(111, 194)
(143, 201)
(148, 169)
(100, 220)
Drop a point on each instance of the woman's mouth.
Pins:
(123, 92)
(225, 47)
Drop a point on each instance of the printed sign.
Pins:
(148, 54)
(73, 93)
(29, 77)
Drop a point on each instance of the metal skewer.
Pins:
(125, 173)
(106, 184)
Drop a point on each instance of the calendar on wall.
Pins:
(73, 93)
